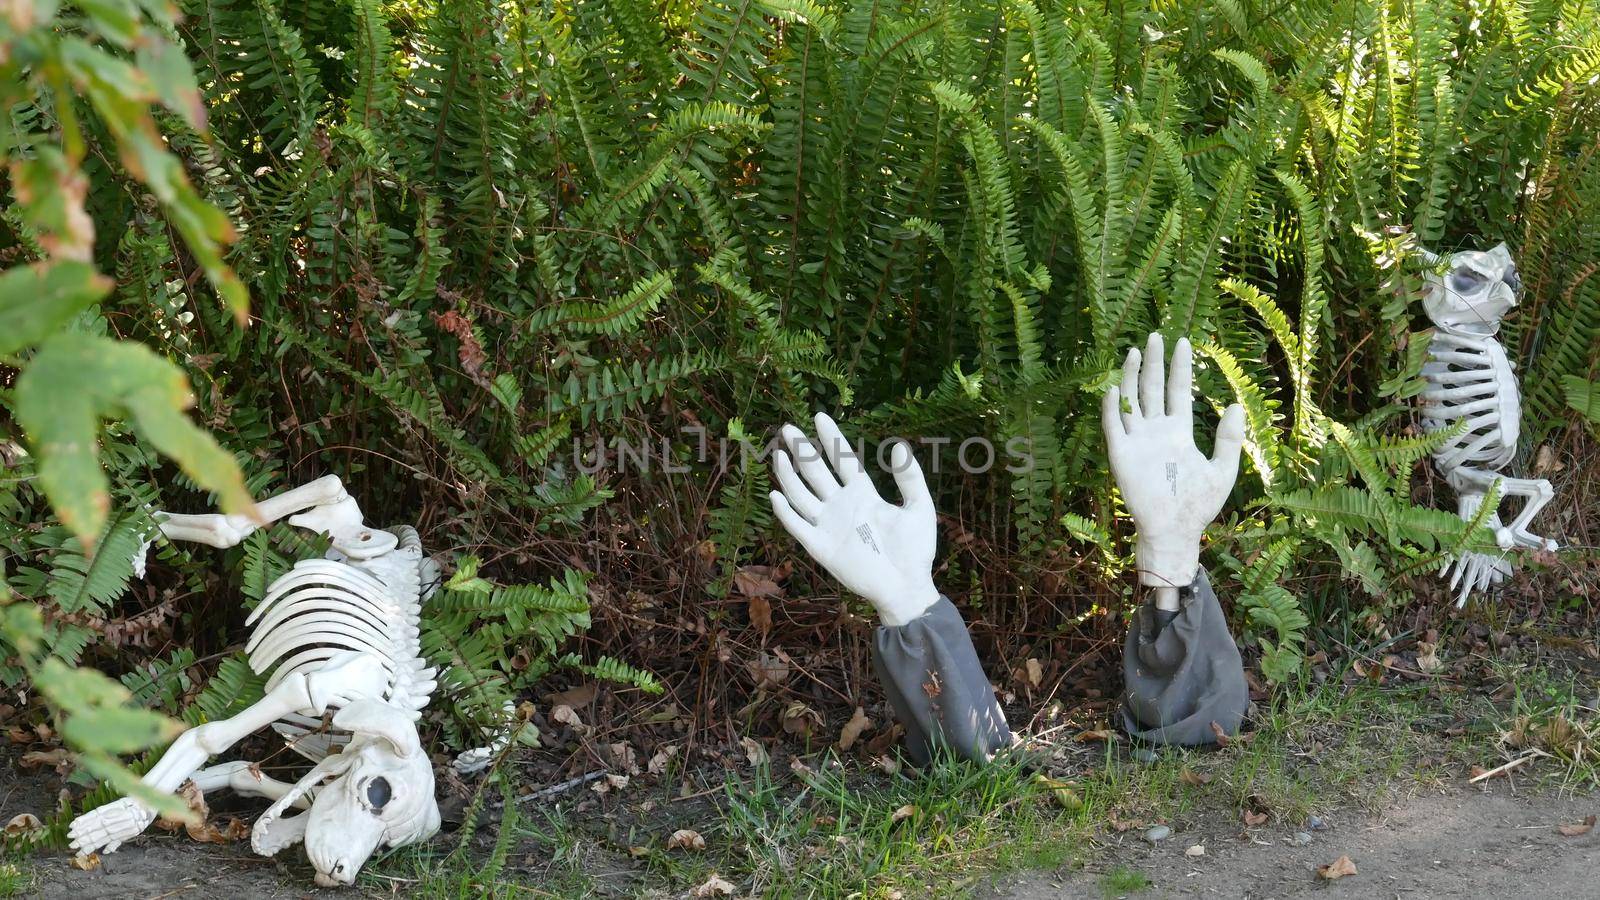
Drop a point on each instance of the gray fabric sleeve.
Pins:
(1184, 675)
(937, 687)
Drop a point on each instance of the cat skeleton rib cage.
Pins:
(334, 635)
(1470, 379)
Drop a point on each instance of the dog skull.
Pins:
(380, 795)
(1480, 287)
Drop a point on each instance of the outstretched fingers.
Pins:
(840, 452)
(1130, 391)
(798, 528)
(1230, 440)
(1153, 377)
(794, 490)
(1111, 417)
(808, 460)
(1180, 382)
(908, 476)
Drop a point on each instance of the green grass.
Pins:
(1554, 713)
(841, 829)
(933, 830)
(1122, 881)
(15, 879)
(1312, 749)
(537, 855)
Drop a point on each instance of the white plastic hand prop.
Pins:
(881, 551)
(1171, 489)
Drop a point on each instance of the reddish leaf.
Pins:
(1577, 828)
(1337, 869)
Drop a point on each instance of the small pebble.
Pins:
(1157, 833)
(1316, 824)
(1144, 756)
(1302, 838)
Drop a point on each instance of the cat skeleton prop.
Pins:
(1471, 380)
(334, 635)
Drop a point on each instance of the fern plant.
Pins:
(481, 240)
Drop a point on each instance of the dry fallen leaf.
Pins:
(1253, 818)
(1098, 734)
(686, 839)
(22, 824)
(1225, 739)
(1035, 672)
(1573, 830)
(609, 783)
(756, 581)
(658, 763)
(1337, 869)
(755, 584)
(1196, 850)
(904, 812)
(753, 750)
(769, 669)
(1428, 658)
(885, 738)
(87, 863)
(761, 616)
(1064, 792)
(59, 759)
(712, 887)
(624, 757)
(800, 719)
(582, 695)
(851, 732)
(1191, 777)
(566, 715)
(889, 765)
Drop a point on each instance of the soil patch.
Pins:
(1456, 844)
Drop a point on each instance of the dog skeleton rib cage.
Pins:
(1472, 387)
(337, 635)
(1184, 676)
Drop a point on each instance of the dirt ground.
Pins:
(1457, 843)
(1463, 843)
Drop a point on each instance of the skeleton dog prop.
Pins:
(1470, 379)
(338, 635)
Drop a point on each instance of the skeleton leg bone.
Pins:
(220, 531)
(107, 827)
(1536, 492)
(245, 779)
(322, 506)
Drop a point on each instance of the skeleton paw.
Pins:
(102, 830)
(471, 762)
(1505, 537)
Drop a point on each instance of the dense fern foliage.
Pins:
(492, 248)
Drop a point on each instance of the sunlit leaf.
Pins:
(73, 383)
(50, 196)
(37, 300)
